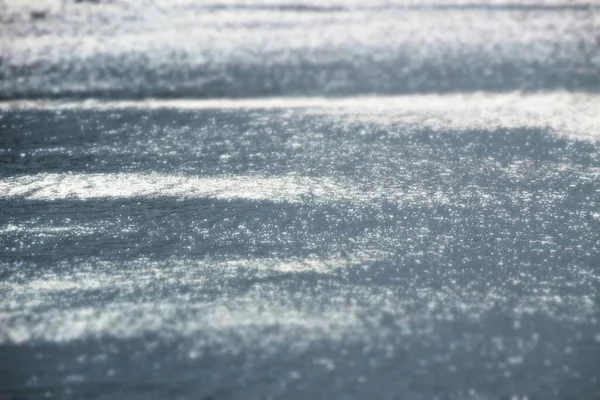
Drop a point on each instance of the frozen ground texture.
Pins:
(276, 199)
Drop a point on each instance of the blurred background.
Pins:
(234, 48)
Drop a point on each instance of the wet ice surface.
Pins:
(394, 243)
(298, 251)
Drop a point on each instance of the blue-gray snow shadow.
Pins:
(535, 234)
(461, 359)
(538, 230)
(210, 142)
(465, 250)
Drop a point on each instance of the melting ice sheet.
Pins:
(284, 245)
